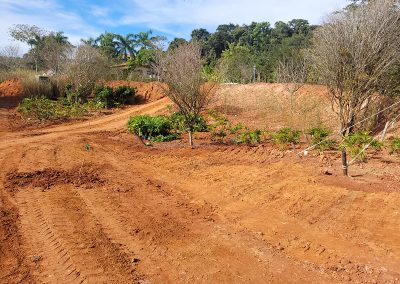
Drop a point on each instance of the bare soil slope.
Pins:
(126, 213)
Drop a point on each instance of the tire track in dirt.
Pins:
(66, 248)
(54, 258)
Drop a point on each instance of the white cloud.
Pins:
(98, 11)
(209, 13)
(47, 14)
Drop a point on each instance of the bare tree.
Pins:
(9, 57)
(292, 72)
(353, 51)
(55, 53)
(87, 66)
(181, 70)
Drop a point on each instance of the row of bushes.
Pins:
(73, 105)
(167, 128)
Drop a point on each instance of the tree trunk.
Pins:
(190, 139)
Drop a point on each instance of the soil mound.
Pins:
(50, 177)
(147, 91)
(11, 88)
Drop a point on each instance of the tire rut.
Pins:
(54, 258)
(65, 250)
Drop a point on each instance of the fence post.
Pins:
(344, 162)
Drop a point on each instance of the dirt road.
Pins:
(126, 213)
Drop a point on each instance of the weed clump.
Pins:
(286, 136)
(319, 138)
(395, 145)
(356, 142)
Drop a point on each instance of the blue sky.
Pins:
(173, 18)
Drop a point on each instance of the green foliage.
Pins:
(236, 65)
(249, 137)
(166, 138)
(162, 128)
(178, 122)
(395, 145)
(319, 137)
(149, 126)
(220, 126)
(285, 136)
(42, 108)
(357, 141)
(113, 97)
(235, 128)
(38, 108)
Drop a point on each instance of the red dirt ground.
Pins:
(123, 212)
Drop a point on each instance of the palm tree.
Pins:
(107, 43)
(36, 43)
(144, 40)
(60, 38)
(90, 41)
(126, 45)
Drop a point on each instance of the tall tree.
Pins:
(126, 45)
(176, 43)
(107, 44)
(33, 36)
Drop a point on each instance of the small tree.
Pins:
(293, 73)
(87, 66)
(352, 53)
(181, 69)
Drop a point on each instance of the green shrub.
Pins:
(178, 122)
(357, 141)
(149, 126)
(395, 145)
(319, 137)
(113, 97)
(122, 94)
(249, 137)
(38, 108)
(285, 136)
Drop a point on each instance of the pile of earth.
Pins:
(147, 91)
(11, 88)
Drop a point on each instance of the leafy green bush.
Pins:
(38, 108)
(150, 127)
(249, 137)
(178, 122)
(123, 93)
(357, 141)
(285, 136)
(395, 145)
(113, 97)
(319, 137)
